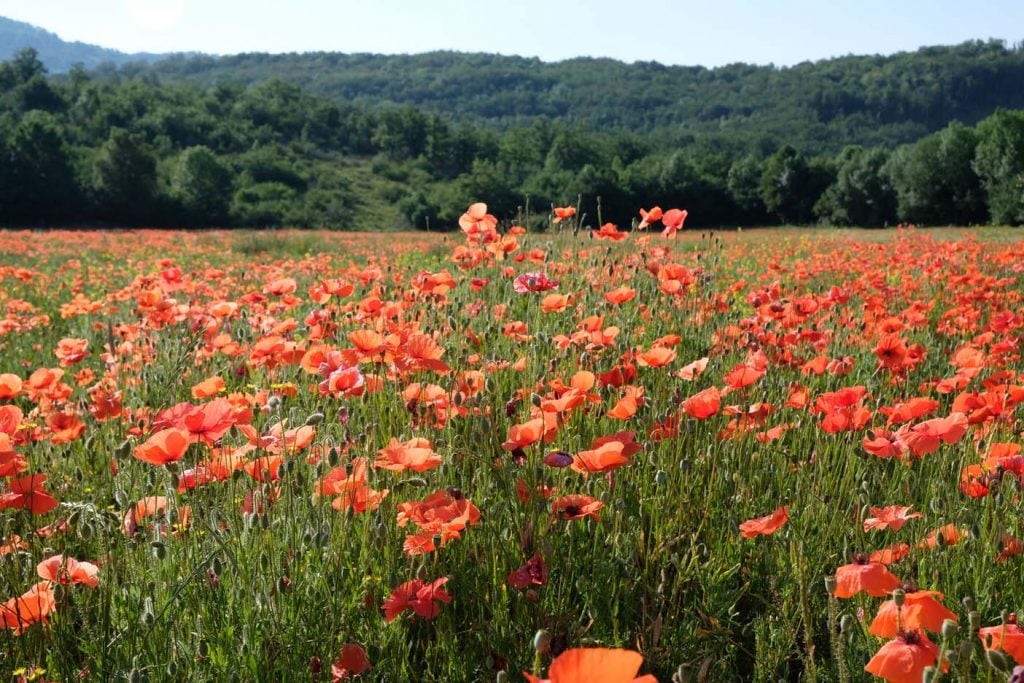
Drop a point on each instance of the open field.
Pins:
(281, 451)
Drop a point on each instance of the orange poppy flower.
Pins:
(562, 213)
(890, 555)
(10, 386)
(619, 295)
(208, 388)
(921, 610)
(657, 357)
(649, 217)
(32, 606)
(68, 570)
(904, 659)
(476, 221)
(523, 435)
(890, 517)
(864, 575)
(70, 351)
(673, 220)
(415, 454)
(604, 458)
(609, 231)
(595, 665)
(764, 526)
(693, 370)
(168, 445)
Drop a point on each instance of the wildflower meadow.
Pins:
(576, 454)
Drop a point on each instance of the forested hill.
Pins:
(817, 107)
(60, 55)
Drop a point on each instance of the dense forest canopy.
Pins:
(378, 142)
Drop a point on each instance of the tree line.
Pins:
(134, 150)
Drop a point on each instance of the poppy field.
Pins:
(500, 455)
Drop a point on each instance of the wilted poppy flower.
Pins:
(420, 597)
(764, 526)
(533, 573)
(595, 665)
(863, 575)
(68, 570)
(904, 659)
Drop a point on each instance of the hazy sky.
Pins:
(682, 32)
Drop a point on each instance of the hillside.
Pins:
(60, 55)
(819, 106)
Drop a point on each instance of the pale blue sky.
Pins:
(708, 32)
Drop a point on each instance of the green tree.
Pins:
(202, 187)
(790, 185)
(999, 161)
(40, 186)
(862, 193)
(935, 181)
(124, 180)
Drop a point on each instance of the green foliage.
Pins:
(138, 145)
(1000, 163)
(935, 182)
(124, 179)
(862, 193)
(202, 185)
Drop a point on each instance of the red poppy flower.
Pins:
(29, 493)
(764, 526)
(577, 506)
(351, 661)
(420, 597)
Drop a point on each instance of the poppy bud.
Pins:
(899, 597)
(314, 419)
(274, 403)
(997, 660)
(949, 629)
(968, 603)
(661, 477)
(830, 585)
(974, 620)
(535, 399)
(541, 641)
(683, 674)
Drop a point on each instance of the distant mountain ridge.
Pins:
(59, 55)
(818, 107)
